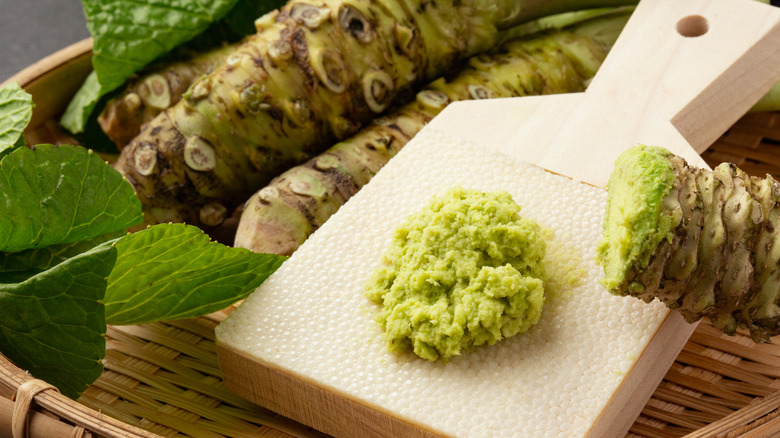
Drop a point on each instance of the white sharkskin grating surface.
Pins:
(311, 317)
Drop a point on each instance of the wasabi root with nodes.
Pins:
(281, 216)
(464, 271)
(314, 73)
(703, 242)
(150, 94)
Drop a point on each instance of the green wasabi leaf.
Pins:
(16, 267)
(21, 142)
(81, 106)
(241, 19)
(61, 194)
(16, 108)
(129, 34)
(53, 324)
(173, 271)
(236, 24)
(81, 116)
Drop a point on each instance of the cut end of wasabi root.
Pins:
(637, 219)
(464, 271)
(703, 242)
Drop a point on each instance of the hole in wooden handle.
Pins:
(692, 26)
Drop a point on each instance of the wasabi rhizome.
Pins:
(704, 242)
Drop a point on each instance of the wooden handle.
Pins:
(657, 87)
(710, 58)
(680, 74)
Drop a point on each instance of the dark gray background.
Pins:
(32, 29)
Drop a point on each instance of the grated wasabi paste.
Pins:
(464, 271)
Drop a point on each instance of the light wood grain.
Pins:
(63, 67)
(656, 87)
(303, 400)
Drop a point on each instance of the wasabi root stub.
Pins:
(705, 243)
(464, 271)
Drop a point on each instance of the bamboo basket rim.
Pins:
(53, 413)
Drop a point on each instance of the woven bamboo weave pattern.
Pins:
(165, 378)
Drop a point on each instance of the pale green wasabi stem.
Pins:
(464, 271)
(712, 245)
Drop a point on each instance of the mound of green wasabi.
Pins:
(464, 271)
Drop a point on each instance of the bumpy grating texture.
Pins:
(312, 318)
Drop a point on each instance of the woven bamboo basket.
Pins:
(163, 379)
